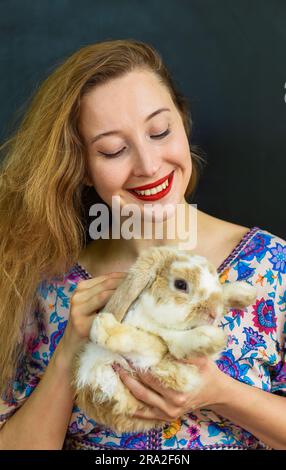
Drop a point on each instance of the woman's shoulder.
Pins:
(270, 249)
(275, 239)
(259, 257)
(265, 246)
(54, 294)
(254, 254)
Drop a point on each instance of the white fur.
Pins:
(94, 370)
(168, 315)
(209, 282)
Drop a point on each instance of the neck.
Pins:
(180, 228)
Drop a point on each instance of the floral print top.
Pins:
(255, 353)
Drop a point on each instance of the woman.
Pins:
(110, 118)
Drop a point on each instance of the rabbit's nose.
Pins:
(213, 314)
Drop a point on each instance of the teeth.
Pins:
(150, 192)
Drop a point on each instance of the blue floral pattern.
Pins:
(255, 353)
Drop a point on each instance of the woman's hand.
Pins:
(168, 405)
(88, 298)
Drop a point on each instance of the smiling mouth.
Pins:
(151, 192)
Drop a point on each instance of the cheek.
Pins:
(181, 157)
(106, 179)
(180, 150)
(186, 155)
(189, 166)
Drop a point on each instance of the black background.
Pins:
(227, 56)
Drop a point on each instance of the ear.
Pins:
(140, 276)
(238, 294)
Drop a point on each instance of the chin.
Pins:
(160, 212)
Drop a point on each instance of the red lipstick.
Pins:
(160, 194)
(150, 185)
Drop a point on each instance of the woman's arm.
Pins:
(261, 413)
(42, 421)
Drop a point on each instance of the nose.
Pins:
(211, 317)
(147, 163)
(213, 314)
(215, 309)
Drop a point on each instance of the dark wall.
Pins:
(227, 56)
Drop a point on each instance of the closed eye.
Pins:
(158, 136)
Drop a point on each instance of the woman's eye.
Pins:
(116, 154)
(160, 136)
(112, 154)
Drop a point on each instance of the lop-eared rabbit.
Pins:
(166, 308)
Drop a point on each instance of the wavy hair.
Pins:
(43, 198)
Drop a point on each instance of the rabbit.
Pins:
(165, 309)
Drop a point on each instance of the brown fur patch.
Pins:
(160, 287)
(105, 413)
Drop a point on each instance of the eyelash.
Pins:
(159, 136)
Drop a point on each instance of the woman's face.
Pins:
(134, 136)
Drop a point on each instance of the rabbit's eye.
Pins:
(181, 284)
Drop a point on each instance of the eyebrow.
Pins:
(104, 134)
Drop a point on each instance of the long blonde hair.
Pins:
(42, 229)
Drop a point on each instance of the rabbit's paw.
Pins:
(102, 327)
(208, 340)
(122, 342)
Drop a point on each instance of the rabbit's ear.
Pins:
(141, 275)
(238, 294)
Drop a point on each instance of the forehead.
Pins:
(138, 92)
